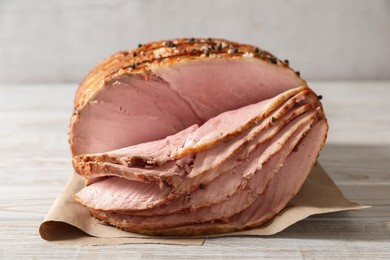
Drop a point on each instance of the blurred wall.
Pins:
(60, 41)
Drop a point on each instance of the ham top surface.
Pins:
(193, 137)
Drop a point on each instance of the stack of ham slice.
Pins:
(224, 151)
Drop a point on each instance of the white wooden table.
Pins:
(35, 164)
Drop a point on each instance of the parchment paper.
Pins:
(69, 222)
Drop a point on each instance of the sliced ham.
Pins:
(286, 183)
(110, 163)
(212, 160)
(193, 136)
(255, 176)
(216, 191)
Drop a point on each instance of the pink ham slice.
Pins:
(146, 154)
(229, 124)
(278, 193)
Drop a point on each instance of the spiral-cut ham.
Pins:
(193, 136)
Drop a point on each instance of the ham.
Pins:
(253, 178)
(193, 136)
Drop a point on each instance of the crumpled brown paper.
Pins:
(69, 222)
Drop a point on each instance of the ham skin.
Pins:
(193, 137)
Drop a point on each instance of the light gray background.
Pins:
(60, 41)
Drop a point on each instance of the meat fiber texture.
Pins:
(193, 137)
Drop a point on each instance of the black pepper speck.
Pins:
(219, 46)
(272, 60)
(170, 44)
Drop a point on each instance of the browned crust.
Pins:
(143, 59)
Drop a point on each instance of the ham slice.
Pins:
(209, 161)
(193, 136)
(279, 191)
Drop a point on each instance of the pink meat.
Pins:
(229, 124)
(214, 131)
(146, 154)
(279, 191)
(224, 151)
(96, 163)
(133, 110)
(220, 188)
(251, 184)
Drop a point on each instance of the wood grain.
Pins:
(35, 164)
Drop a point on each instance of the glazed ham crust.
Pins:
(193, 137)
(144, 58)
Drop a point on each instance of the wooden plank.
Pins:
(358, 112)
(357, 163)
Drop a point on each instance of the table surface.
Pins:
(35, 163)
